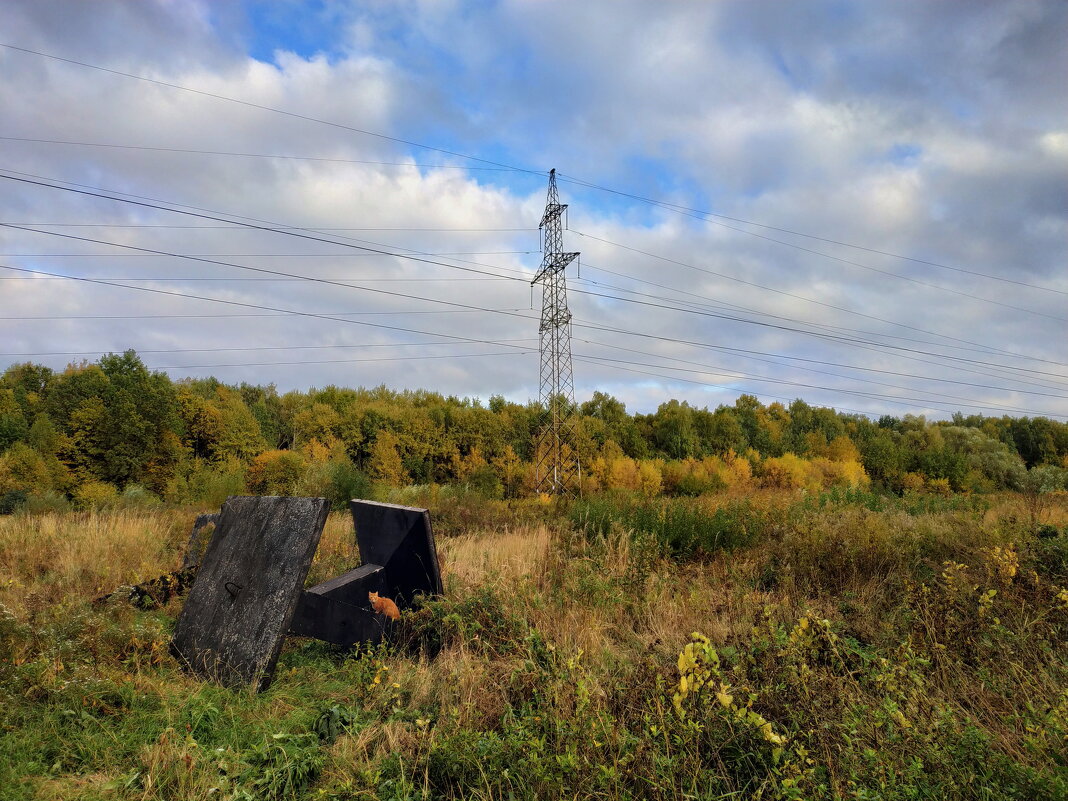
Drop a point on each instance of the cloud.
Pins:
(935, 131)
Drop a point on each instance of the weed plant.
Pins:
(775, 647)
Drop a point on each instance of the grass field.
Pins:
(764, 646)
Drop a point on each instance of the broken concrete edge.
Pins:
(157, 591)
(194, 549)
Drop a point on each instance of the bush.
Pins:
(137, 497)
(47, 502)
(208, 485)
(11, 501)
(275, 473)
(346, 481)
(96, 495)
(694, 484)
(1050, 557)
(485, 482)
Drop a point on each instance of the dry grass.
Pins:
(604, 611)
(54, 557)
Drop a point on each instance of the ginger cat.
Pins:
(384, 606)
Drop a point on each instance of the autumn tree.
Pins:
(385, 463)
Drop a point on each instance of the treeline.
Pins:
(113, 430)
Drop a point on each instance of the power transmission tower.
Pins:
(556, 459)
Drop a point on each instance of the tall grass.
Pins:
(846, 653)
(52, 557)
(679, 527)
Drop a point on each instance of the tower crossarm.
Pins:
(552, 213)
(553, 263)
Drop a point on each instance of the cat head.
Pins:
(373, 596)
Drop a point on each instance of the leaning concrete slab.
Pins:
(248, 586)
(400, 539)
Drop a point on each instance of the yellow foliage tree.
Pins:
(841, 449)
(385, 463)
(788, 471)
(510, 468)
(649, 479)
(738, 470)
(623, 474)
(275, 472)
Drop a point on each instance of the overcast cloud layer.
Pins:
(934, 131)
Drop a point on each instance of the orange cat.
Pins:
(384, 606)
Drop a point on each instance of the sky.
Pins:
(861, 204)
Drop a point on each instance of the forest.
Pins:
(113, 432)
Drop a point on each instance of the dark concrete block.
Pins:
(250, 581)
(400, 539)
(338, 610)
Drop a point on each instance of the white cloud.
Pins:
(933, 132)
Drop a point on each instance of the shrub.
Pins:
(484, 481)
(205, 484)
(47, 502)
(275, 473)
(346, 481)
(788, 471)
(11, 501)
(137, 497)
(96, 495)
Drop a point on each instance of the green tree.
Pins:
(240, 436)
(12, 421)
(318, 421)
(674, 433)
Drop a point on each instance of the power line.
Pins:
(678, 341)
(460, 305)
(206, 216)
(1060, 396)
(432, 300)
(343, 361)
(332, 318)
(776, 359)
(391, 313)
(703, 215)
(270, 108)
(789, 294)
(236, 227)
(831, 337)
(686, 211)
(274, 229)
(256, 255)
(277, 272)
(257, 155)
(387, 253)
(416, 297)
(142, 351)
(234, 223)
(388, 327)
(182, 279)
(981, 349)
(734, 306)
(874, 396)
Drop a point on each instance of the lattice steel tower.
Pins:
(556, 459)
